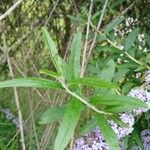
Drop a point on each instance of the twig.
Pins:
(46, 22)
(33, 120)
(95, 36)
(86, 38)
(16, 97)
(115, 46)
(8, 12)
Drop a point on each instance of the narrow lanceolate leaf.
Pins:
(118, 103)
(129, 41)
(31, 82)
(74, 60)
(95, 82)
(91, 125)
(147, 38)
(53, 51)
(114, 24)
(52, 115)
(68, 124)
(108, 133)
(49, 73)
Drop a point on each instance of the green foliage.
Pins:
(68, 124)
(31, 82)
(107, 131)
(95, 82)
(114, 24)
(129, 41)
(74, 59)
(77, 104)
(118, 103)
(52, 115)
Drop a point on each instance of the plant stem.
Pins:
(81, 99)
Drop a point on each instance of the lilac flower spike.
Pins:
(92, 141)
(121, 132)
(145, 135)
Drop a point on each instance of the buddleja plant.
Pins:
(67, 78)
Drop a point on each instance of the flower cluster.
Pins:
(147, 78)
(92, 141)
(121, 132)
(95, 140)
(129, 25)
(145, 136)
(10, 116)
(142, 95)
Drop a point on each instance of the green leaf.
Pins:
(76, 19)
(114, 24)
(107, 73)
(53, 51)
(49, 73)
(52, 115)
(120, 74)
(74, 60)
(95, 82)
(68, 124)
(118, 103)
(31, 82)
(136, 137)
(108, 133)
(116, 3)
(118, 121)
(129, 41)
(147, 38)
(88, 127)
(108, 49)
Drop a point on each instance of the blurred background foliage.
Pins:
(21, 37)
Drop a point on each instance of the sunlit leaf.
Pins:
(94, 82)
(31, 82)
(68, 124)
(118, 103)
(49, 73)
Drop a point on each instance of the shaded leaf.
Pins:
(107, 73)
(88, 127)
(74, 60)
(114, 24)
(52, 115)
(129, 41)
(108, 133)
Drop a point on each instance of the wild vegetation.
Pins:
(75, 75)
